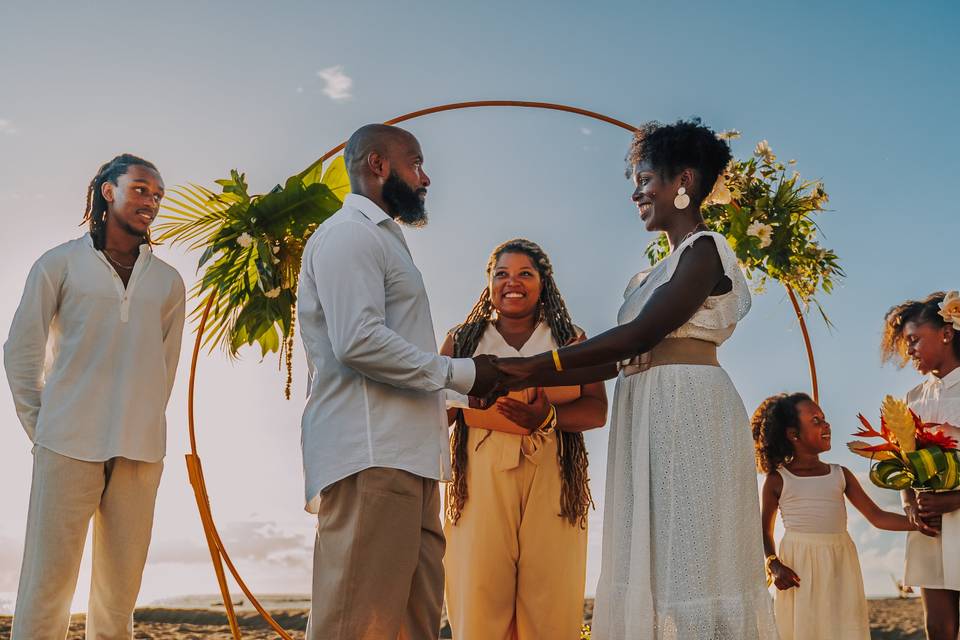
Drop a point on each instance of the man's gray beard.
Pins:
(414, 219)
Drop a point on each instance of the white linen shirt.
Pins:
(91, 363)
(937, 399)
(375, 390)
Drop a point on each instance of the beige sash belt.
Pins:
(673, 351)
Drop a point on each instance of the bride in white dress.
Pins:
(682, 552)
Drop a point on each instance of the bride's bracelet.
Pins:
(556, 360)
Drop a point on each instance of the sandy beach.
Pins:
(890, 619)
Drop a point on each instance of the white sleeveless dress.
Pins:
(829, 603)
(682, 552)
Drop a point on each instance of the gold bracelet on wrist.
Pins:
(766, 568)
(550, 422)
(556, 360)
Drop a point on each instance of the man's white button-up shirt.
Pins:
(91, 363)
(375, 396)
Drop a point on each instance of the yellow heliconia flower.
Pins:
(896, 416)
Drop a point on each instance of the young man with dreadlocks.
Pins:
(374, 432)
(111, 315)
(517, 548)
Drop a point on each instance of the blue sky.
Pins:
(862, 95)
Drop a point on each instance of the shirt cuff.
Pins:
(456, 400)
(463, 373)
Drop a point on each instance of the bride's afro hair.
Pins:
(671, 148)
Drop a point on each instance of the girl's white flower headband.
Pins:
(950, 309)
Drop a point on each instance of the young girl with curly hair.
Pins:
(926, 333)
(817, 573)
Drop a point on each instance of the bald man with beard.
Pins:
(374, 429)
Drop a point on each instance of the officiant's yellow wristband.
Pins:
(556, 360)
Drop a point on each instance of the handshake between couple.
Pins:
(498, 376)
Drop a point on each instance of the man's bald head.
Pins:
(385, 164)
(372, 138)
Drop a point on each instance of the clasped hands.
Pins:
(498, 376)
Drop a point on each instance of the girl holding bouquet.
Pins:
(926, 333)
(817, 573)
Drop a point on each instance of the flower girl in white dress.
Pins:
(817, 572)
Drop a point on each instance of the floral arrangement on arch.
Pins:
(768, 218)
(252, 246)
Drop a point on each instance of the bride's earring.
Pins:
(682, 201)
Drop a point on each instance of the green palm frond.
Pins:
(251, 247)
(192, 214)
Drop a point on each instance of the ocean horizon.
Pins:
(214, 602)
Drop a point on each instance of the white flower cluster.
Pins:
(761, 231)
(950, 309)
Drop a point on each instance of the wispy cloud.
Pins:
(7, 127)
(336, 84)
(585, 131)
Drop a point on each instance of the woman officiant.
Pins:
(516, 509)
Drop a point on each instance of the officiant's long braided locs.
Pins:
(575, 498)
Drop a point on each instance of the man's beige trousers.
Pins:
(378, 559)
(65, 493)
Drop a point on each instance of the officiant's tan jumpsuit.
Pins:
(515, 569)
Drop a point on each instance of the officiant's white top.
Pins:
(375, 386)
(90, 362)
(935, 562)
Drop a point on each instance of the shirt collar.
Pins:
(144, 248)
(951, 378)
(367, 207)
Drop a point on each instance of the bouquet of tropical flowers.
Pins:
(913, 454)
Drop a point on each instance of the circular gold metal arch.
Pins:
(218, 552)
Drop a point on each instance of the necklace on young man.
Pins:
(119, 265)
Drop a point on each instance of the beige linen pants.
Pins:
(378, 559)
(65, 493)
(515, 568)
